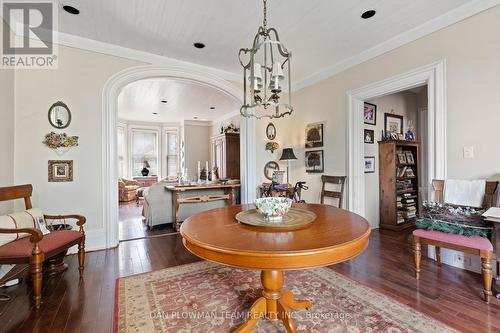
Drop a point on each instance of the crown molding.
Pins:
(145, 57)
(458, 14)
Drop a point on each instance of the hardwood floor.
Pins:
(448, 294)
(131, 225)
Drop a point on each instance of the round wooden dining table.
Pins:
(336, 235)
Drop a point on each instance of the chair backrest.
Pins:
(337, 180)
(489, 195)
(17, 192)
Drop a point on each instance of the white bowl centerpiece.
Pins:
(273, 208)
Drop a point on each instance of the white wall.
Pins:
(6, 133)
(7, 107)
(197, 143)
(78, 82)
(404, 104)
(472, 68)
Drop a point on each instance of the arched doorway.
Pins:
(111, 91)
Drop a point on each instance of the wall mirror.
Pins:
(59, 115)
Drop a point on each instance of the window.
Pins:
(122, 152)
(172, 151)
(144, 149)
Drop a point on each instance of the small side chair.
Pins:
(31, 246)
(337, 194)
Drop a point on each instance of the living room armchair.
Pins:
(127, 189)
(25, 243)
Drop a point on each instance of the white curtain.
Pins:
(172, 145)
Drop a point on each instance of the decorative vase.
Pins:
(145, 172)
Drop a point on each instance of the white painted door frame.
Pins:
(434, 76)
(112, 89)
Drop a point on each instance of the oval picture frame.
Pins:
(59, 121)
(270, 131)
(269, 168)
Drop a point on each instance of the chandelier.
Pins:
(266, 71)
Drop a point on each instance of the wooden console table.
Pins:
(178, 199)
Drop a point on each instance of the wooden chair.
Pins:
(337, 180)
(474, 245)
(36, 248)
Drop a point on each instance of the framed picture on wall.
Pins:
(369, 164)
(60, 171)
(314, 135)
(393, 123)
(314, 161)
(369, 136)
(370, 113)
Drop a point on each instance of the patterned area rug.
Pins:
(205, 297)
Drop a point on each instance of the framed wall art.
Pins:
(369, 136)
(314, 135)
(271, 131)
(269, 169)
(370, 114)
(60, 171)
(314, 161)
(369, 164)
(393, 123)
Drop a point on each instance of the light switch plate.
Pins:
(469, 152)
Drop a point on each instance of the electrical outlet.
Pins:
(459, 260)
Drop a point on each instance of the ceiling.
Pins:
(185, 100)
(320, 33)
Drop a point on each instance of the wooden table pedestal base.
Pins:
(274, 304)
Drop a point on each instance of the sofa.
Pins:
(158, 206)
(127, 189)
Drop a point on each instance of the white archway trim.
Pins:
(112, 89)
(434, 76)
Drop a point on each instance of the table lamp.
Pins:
(287, 155)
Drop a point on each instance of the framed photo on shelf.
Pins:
(60, 171)
(314, 135)
(314, 161)
(370, 114)
(369, 136)
(369, 164)
(402, 158)
(409, 158)
(393, 123)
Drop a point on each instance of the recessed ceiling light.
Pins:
(195, 117)
(199, 45)
(155, 113)
(164, 101)
(70, 9)
(368, 14)
(212, 108)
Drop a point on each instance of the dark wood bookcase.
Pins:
(399, 183)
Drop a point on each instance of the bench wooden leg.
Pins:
(438, 255)
(416, 256)
(487, 270)
(36, 269)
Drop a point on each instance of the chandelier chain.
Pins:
(265, 15)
